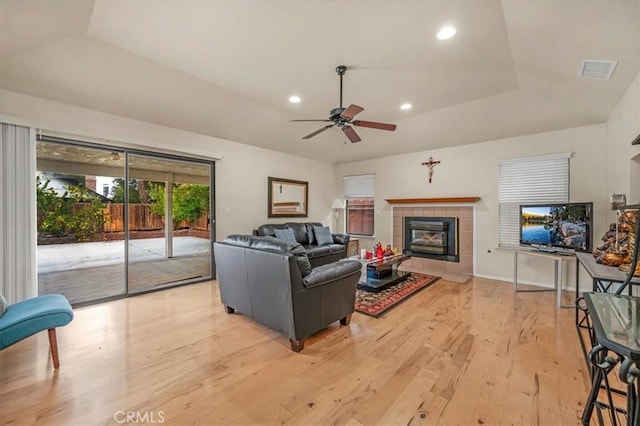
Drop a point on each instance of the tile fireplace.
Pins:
(432, 259)
(432, 237)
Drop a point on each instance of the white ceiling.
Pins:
(227, 68)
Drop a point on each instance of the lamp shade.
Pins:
(337, 203)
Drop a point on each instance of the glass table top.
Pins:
(616, 319)
(387, 260)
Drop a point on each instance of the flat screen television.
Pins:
(565, 226)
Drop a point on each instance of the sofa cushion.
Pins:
(331, 272)
(341, 239)
(301, 257)
(311, 233)
(285, 235)
(323, 235)
(274, 245)
(336, 248)
(268, 230)
(260, 243)
(300, 231)
(317, 251)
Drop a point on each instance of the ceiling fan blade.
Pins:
(374, 125)
(351, 111)
(322, 129)
(351, 134)
(291, 121)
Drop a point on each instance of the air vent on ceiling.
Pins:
(601, 70)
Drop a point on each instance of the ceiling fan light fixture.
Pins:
(406, 107)
(446, 32)
(342, 117)
(294, 99)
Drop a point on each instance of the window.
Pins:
(529, 180)
(358, 191)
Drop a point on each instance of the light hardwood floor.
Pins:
(454, 354)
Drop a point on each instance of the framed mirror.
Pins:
(287, 198)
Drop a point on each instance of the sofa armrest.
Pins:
(341, 239)
(331, 272)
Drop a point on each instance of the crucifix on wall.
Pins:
(430, 164)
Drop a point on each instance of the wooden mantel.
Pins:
(432, 200)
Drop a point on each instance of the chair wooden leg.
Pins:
(53, 342)
(346, 320)
(296, 345)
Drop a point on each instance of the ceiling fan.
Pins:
(343, 117)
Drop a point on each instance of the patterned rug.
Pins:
(375, 304)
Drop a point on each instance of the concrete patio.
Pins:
(96, 270)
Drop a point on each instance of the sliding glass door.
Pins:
(169, 226)
(113, 222)
(81, 248)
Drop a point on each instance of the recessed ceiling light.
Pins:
(446, 33)
(294, 99)
(405, 106)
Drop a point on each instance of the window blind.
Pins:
(529, 180)
(18, 276)
(359, 186)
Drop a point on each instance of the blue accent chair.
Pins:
(31, 316)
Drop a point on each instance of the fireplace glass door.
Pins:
(429, 237)
(432, 237)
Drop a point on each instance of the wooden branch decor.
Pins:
(430, 164)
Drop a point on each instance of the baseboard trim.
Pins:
(525, 282)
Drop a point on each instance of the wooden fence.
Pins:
(142, 219)
(360, 217)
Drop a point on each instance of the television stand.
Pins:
(545, 249)
(558, 263)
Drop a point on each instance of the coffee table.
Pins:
(378, 274)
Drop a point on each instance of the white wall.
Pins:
(241, 174)
(623, 159)
(472, 170)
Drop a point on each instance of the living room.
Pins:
(602, 162)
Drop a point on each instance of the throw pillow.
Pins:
(301, 258)
(323, 235)
(3, 304)
(285, 234)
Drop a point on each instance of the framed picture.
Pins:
(287, 198)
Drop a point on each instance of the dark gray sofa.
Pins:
(272, 282)
(317, 254)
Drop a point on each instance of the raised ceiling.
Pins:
(227, 68)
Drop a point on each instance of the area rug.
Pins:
(375, 304)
